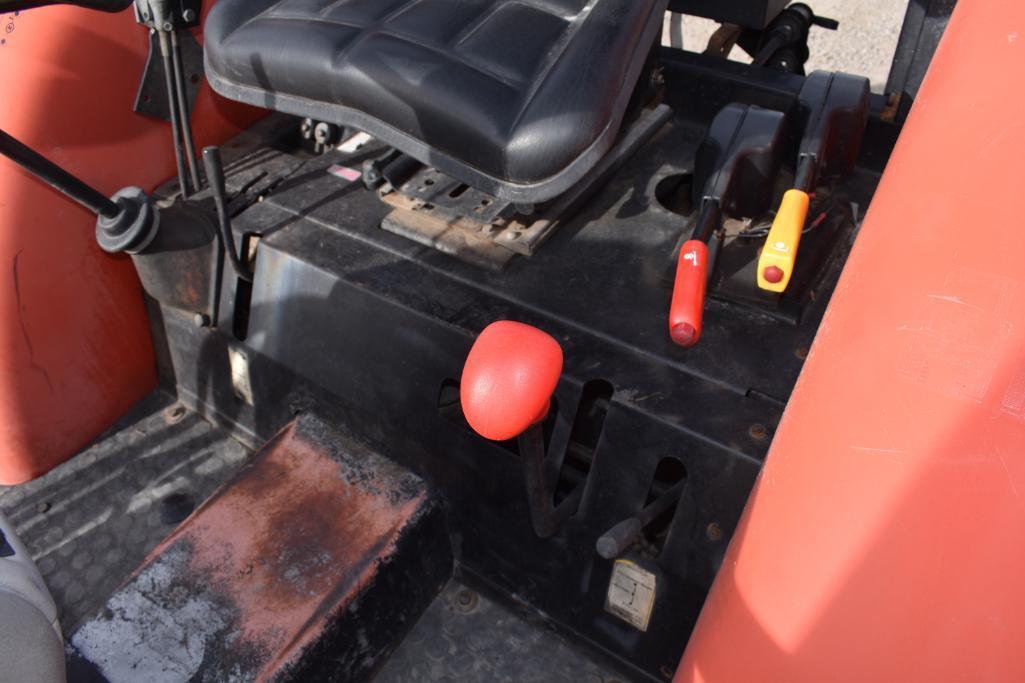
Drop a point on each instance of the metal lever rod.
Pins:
(215, 177)
(172, 105)
(183, 109)
(613, 542)
(57, 178)
(545, 516)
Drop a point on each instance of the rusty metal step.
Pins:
(312, 563)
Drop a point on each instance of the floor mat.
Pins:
(90, 521)
(463, 636)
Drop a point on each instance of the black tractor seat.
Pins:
(518, 98)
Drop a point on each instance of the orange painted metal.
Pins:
(310, 565)
(884, 538)
(75, 348)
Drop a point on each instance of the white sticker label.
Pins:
(631, 594)
(240, 374)
(355, 142)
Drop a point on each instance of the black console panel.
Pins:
(370, 330)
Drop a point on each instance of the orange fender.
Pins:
(883, 539)
(75, 346)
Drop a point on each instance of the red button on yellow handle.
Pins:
(776, 263)
(508, 379)
(773, 274)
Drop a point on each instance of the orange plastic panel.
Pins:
(508, 379)
(885, 538)
(74, 343)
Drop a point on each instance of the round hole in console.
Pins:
(673, 193)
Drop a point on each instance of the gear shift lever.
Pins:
(506, 390)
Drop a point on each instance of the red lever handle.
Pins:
(688, 306)
(508, 379)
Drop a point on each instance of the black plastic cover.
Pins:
(836, 109)
(739, 158)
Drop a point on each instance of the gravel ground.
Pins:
(864, 44)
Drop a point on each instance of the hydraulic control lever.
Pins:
(613, 542)
(164, 240)
(506, 388)
(12, 6)
(159, 17)
(738, 162)
(125, 222)
(834, 107)
(784, 43)
(215, 176)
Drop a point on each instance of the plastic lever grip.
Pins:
(688, 305)
(776, 264)
(508, 379)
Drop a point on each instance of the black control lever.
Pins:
(784, 43)
(505, 391)
(7, 6)
(163, 241)
(56, 177)
(126, 222)
(545, 516)
(613, 542)
(215, 176)
(159, 17)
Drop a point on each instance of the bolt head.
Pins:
(714, 532)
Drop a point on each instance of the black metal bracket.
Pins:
(181, 13)
(151, 98)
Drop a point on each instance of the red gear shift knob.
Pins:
(508, 379)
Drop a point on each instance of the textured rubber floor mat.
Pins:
(89, 522)
(464, 637)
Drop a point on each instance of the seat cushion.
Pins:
(519, 98)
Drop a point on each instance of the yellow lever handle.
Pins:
(776, 264)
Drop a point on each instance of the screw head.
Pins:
(757, 431)
(42, 507)
(201, 320)
(189, 15)
(466, 600)
(713, 531)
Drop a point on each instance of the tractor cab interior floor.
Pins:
(90, 522)
(369, 331)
